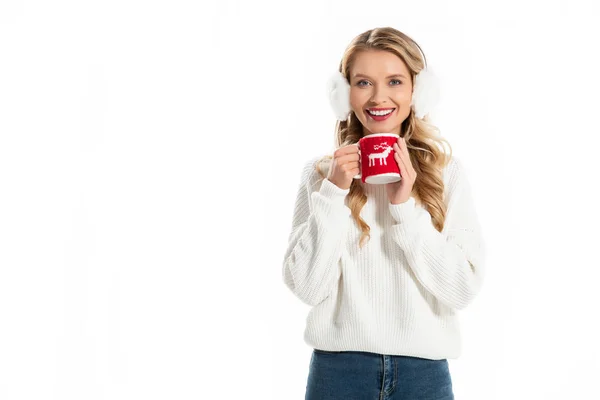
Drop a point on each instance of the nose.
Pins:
(379, 95)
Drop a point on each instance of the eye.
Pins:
(359, 83)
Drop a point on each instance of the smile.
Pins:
(380, 114)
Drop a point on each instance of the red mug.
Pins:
(377, 162)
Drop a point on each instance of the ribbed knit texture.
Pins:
(400, 293)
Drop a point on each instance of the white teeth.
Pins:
(380, 113)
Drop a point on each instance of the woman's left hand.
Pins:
(399, 192)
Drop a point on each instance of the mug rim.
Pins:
(380, 135)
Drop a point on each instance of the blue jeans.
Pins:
(357, 375)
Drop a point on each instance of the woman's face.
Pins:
(380, 81)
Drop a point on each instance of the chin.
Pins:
(384, 128)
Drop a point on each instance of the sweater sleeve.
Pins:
(448, 264)
(320, 221)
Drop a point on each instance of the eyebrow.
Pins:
(391, 76)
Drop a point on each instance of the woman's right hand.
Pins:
(344, 166)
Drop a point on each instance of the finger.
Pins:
(402, 145)
(398, 149)
(399, 157)
(349, 149)
(405, 156)
(405, 148)
(350, 171)
(348, 158)
(409, 164)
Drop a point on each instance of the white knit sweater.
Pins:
(400, 293)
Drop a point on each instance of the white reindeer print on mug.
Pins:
(381, 156)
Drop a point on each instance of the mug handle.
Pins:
(359, 161)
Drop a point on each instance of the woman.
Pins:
(385, 267)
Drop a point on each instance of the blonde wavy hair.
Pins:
(422, 138)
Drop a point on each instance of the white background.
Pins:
(150, 154)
